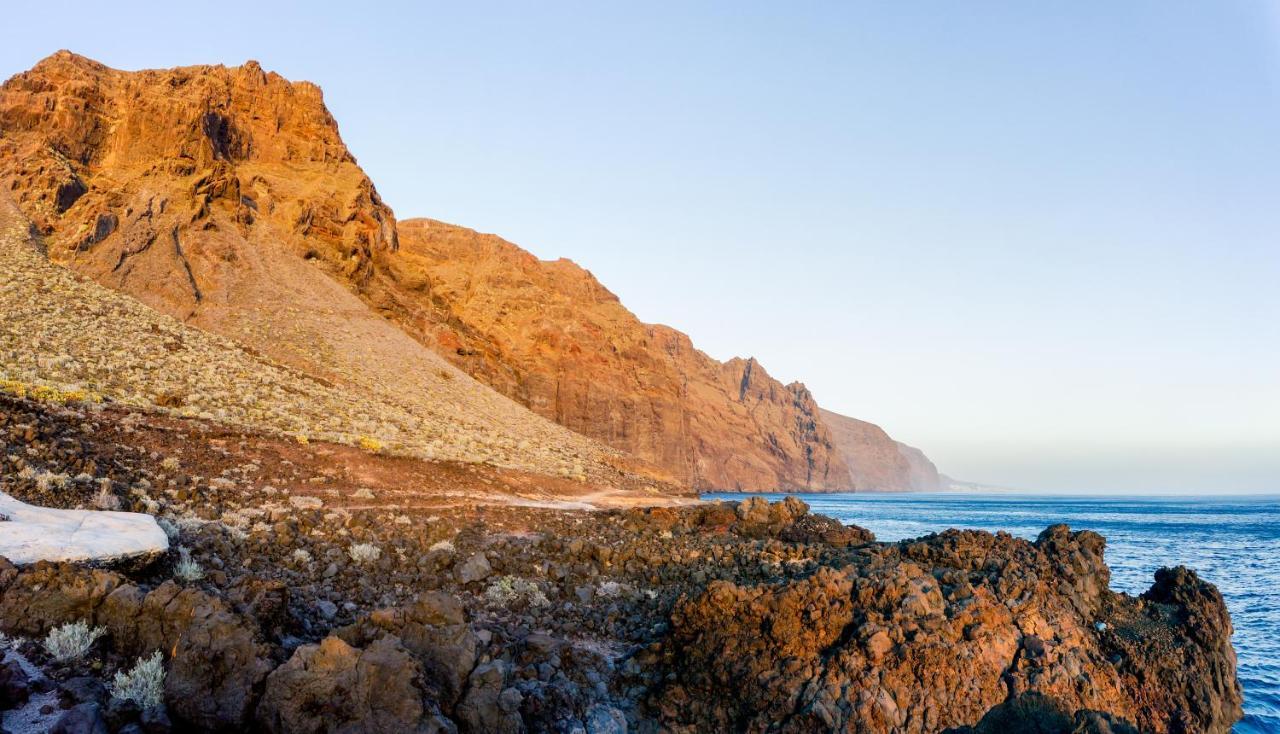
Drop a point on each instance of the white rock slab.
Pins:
(45, 534)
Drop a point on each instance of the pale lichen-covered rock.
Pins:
(31, 534)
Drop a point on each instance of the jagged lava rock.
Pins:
(335, 687)
(216, 660)
(937, 632)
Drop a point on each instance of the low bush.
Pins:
(144, 684)
(364, 553)
(71, 641)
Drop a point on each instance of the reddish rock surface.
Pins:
(548, 334)
(226, 197)
(176, 166)
(876, 462)
(949, 630)
(736, 616)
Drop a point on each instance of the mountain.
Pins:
(549, 335)
(209, 320)
(226, 198)
(876, 462)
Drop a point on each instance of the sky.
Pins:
(1041, 241)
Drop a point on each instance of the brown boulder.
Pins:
(490, 707)
(46, 595)
(825, 530)
(216, 660)
(435, 631)
(264, 600)
(333, 687)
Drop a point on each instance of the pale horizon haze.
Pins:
(1040, 242)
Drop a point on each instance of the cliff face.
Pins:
(876, 462)
(923, 475)
(153, 179)
(225, 197)
(549, 335)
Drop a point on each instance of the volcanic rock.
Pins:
(15, 684)
(874, 646)
(435, 631)
(490, 706)
(474, 568)
(549, 335)
(335, 687)
(215, 659)
(85, 718)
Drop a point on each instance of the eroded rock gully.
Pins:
(480, 616)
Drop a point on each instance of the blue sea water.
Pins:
(1233, 542)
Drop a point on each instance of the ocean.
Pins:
(1233, 542)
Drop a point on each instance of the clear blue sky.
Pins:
(1039, 240)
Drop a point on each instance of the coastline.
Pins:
(484, 615)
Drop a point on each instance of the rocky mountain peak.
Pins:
(184, 155)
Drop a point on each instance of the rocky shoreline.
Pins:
(301, 603)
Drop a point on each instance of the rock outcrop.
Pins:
(217, 659)
(734, 616)
(332, 686)
(876, 462)
(946, 631)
